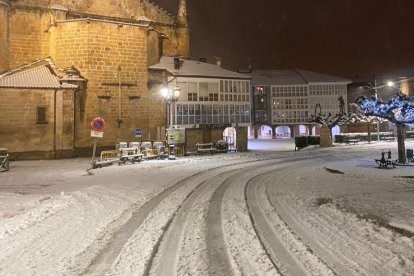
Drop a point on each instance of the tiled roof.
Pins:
(276, 77)
(291, 77)
(192, 68)
(33, 77)
(313, 77)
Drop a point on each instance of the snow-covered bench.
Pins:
(205, 148)
(388, 138)
(130, 154)
(353, 141)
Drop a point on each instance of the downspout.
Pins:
(119, 120)
(54, 124)
(77, 91)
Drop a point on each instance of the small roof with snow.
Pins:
(292, 77)
(39, 74)
(192, 68)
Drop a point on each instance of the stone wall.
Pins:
(198, 135)
(111, 52)
(128, 9)
(177, 42)
(192, 137)
(19, 129)
(241, 138)
(28, 39)
(113, 59)
(4, 41)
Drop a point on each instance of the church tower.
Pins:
(182, 13)
(183, 30)
(4, 36)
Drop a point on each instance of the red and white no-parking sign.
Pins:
(98, 123)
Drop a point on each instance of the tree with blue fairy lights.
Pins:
(398, 110)
(357, 116)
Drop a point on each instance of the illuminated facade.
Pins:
(288, 97)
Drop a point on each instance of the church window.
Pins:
(41, 115)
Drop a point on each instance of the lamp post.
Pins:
(171, 96)
(375, 88)
(376, 98)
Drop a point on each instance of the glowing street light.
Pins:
(171, 96)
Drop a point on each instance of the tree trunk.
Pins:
(325, 137)
(369, 132)
(402, 159)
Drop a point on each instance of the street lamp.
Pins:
(171, 96)
(376, 98)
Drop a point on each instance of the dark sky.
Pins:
(338, 37)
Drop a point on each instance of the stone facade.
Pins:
(20, 130)
(111, 43)
(214, 134)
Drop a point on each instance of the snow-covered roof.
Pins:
(192, 68)
(38, 74)
(292, 77)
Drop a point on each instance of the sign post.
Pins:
(97, 125)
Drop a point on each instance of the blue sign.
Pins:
(138, 132)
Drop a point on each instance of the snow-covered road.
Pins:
(269, 211)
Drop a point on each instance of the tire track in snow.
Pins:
(166, 262)
(281, 243)
(324, 227)
(338, 264)
(247, 254)
(240, 240)
(104, 260)
(218, 259)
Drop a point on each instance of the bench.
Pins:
(353, 141)
(388, 139)
(130, 154)
(131, 158)
(205, 148)
(385, 162)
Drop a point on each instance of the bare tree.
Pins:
(330, 120)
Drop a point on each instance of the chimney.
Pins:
(177, 63)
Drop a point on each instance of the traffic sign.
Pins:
(138, 132)
(98, 123)
(97, 134)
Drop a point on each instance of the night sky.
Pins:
(338, 37)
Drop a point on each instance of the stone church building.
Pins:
(65, 62)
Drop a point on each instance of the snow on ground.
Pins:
(55, 217)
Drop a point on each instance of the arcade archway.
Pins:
(230, 137)
(283, 132)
